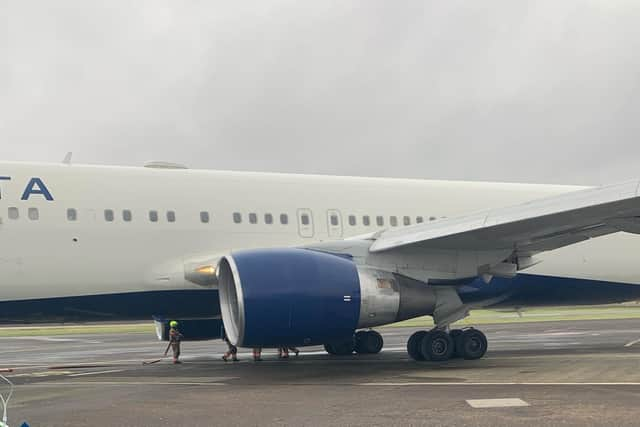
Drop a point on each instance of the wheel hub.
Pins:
(439, 347)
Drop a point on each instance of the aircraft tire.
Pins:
(374, 342)
(361, 342)
(437, 346)
(413, 345)
(455, 335)
(341, 348)
(329, 349)
(471, 344)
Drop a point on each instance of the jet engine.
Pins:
(272, 297)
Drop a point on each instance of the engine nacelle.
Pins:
(272, 297)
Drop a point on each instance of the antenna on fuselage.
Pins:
(67, 158)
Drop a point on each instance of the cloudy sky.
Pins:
(539, 91)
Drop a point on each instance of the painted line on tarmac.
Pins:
(122, 383)
(497, 403)
(448, 383)
(82, 374)
(632, 343)
(41, 374)
(51, 339)
(322, 352)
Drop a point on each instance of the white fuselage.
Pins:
(53, 256)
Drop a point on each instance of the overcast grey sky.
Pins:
(540, 91)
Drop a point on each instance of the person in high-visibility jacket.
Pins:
(174, 341)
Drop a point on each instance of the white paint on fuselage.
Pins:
(40, 259)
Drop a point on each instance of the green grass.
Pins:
(23, 331)
(477, 317)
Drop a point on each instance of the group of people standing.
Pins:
(175, 337)
(232, 350)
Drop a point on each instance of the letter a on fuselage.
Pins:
(36, 186)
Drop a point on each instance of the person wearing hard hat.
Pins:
(174, 341)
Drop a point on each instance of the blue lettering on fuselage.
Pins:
(36, 186)
(4, 178)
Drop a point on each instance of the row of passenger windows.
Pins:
(32, 213)
(268, 218)
(109, 215)
(154, 216)
(334, 219)
(393, 220)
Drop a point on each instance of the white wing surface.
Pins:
(528, 228)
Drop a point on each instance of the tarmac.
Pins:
(582, 373)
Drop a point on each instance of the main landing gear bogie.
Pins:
(437, 345)
(362, 342)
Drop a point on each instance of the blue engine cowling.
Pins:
(272, 297)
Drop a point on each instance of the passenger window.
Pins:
(432, 218)
(72, 214)
(366, 220)
(253, 218)
(352, 220)
(14, 213)
(304, 219)
(406, 220)
(334, 220)
(153, 216)
(33, 214)
(393, 220)
(380, 220)
(171, 216)
(419, 220)
(268, 218)
(126, 215)
(108, 215)
(237, 217)
(204, 217)
(284, 219)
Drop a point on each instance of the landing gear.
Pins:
(471, 344)
(438, 346)
(341, 348)
(368, 342)
(414, 345)
(363, 342)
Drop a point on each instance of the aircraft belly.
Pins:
(612, 258)
(116, 306)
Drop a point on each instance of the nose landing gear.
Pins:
(437, 345)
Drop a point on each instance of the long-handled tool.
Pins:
(150, 362)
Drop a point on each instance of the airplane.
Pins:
(286, 259)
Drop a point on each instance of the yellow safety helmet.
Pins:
(173, 324)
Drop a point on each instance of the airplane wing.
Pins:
(528, 228)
